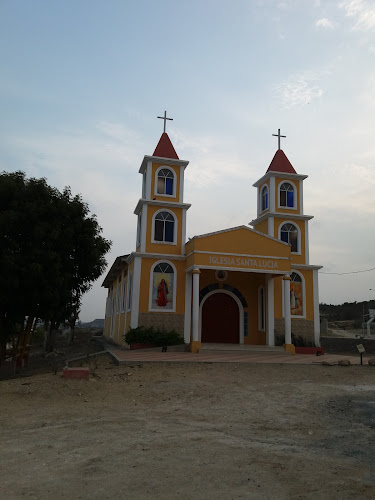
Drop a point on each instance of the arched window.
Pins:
(264, 198)
(164, 227)
(165, 181)
(296, 295)
(289, 234)
(162, 287)
(286, 195)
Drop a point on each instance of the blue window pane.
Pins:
(284, 236)
(289, 195)
(168, 186)
(266, 201)
(169, 226)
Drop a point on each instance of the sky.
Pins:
(82, 83)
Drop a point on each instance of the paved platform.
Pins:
(124, 356)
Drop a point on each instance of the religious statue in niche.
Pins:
(162, 287)
(296, 301)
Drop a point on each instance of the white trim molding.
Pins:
(182, 183)
(260, 198)
(156, 192)
(150, 309)
(301, 196)
(135, 293)
(183, 232)
(272, 194)
(187, 322)
(240, 309)
(299, 245)
(316, 308)
(271, 227)
(295, 203)
(303, 294)
(270, 323)
(261, 308)
(148, 180)
(307, 249)
(174, 242)
(144, 228)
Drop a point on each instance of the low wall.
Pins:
(300, 328)
(347, 345)
(167, 321)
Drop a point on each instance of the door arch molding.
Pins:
(240, 309)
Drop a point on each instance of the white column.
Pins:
(270, 324)
(187, 324)
(272, 195)
(316, 309)
(135, 292)
(196, 274)
(287, 319)
(271, 230)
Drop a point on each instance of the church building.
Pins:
(240, 285)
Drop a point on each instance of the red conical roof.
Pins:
(280, 163)
(165, 148)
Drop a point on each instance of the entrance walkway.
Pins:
(125, 356)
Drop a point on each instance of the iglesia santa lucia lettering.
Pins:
(243, 262)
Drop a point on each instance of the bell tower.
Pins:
(280, 206)
(161, 211)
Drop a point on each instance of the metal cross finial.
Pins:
(278, 135)
(165, 119)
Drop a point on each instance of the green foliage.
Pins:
(51, 251)
(160, 338)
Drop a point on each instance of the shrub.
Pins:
(160, 338)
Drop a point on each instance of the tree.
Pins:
(51, 251)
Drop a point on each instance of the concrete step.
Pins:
(238, 348)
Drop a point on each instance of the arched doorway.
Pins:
(220, 319)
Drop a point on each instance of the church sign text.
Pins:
(252, 262)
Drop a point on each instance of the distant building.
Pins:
(238, 285)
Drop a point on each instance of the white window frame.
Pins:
(124, 289)
(130, 290)
(139, 229)
(174, 242)
(261, 209)
(156, 193)
(299, 244)
(303, 294)
(287, 181)
(173, 310)
(144, 185)
(261, 311)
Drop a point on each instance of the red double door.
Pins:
(220, 319)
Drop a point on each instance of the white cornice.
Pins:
(160, 203)
(164, 161)
(280, 175)
(280, 215)
(153, 255)
(305, 266)
(235, 229)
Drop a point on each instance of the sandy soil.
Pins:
(188, 431)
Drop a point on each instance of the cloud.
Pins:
(362, 12)
(299, 90)
(324, 23)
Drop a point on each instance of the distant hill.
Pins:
(97, 323)
(347, 311)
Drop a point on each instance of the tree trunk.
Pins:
(50, 337)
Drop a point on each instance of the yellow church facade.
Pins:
(240, 285)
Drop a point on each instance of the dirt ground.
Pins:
(187, 431)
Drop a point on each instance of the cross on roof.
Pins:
(165, 119)
(278, 135)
